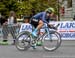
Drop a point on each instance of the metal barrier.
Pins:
(12, 29)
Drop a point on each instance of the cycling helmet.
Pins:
(50, 10)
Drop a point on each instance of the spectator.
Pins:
(9, 27)
(26, 19)
(26, 26)
(62, 11)
(3, 22)
(11, 21)
(12, 18)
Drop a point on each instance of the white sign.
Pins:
(66, 29)
(26, 27)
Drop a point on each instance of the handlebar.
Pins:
(54, 27)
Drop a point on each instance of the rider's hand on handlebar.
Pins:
(52, 26)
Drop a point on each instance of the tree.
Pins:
(26, 7)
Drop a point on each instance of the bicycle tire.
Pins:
(24, 47)
(56, 46)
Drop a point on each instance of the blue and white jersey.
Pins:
(42, 16)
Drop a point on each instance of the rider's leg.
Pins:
(40, 24)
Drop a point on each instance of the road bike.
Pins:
(51, 39)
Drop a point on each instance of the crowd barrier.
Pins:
(14, 27)
(66, 29)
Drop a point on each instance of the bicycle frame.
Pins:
(46, 32)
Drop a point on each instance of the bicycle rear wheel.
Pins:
(23, 41)
(52, 43)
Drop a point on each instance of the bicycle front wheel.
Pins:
(23, 41)
(52, 43)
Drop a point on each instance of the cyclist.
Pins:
(39, 19)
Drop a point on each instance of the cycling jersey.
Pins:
(42, 16)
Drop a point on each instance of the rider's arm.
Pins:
(44, 18)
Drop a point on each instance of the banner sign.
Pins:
(26, 27)
(66, 29)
